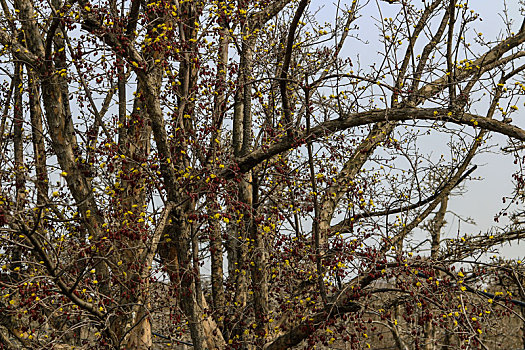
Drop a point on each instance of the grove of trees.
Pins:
(256, 174)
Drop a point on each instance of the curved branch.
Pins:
(287, 58)
(480, 243)
(52, 270)
(18, 50)
(344, 224)
(251, 160)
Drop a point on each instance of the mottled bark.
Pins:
(435, 227)
(242, 145)
(182, 274)
(37, 135)
(135, 145)
(19, 166)
(216, 240)
(217, 273)
(259, 273)
(64, 144)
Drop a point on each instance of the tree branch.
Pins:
(253, 159)
(287, 58)
(345, 224)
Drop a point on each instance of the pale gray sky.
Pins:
(483, 199)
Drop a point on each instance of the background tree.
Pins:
(226, 170)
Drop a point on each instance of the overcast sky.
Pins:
(483, 199)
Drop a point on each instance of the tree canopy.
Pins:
(243, 175)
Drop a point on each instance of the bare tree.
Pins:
(230, 174)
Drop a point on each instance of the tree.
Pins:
(221, 169)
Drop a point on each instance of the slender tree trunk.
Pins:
(435, 227)
(216, 241)
(217, 287)
(18, 146)
(18, 138)
(259, 273)
(37, 134)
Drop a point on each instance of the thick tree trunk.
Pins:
(135, 144)
(242, 143)
(182, 275)
(259, 273)
(140, 337)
